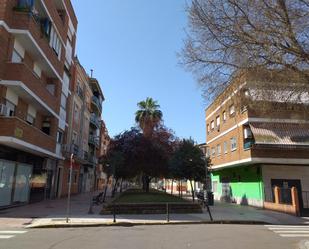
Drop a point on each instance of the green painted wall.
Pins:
(245, 181)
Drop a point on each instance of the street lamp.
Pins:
(69, 189)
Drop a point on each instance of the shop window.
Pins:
(6, 182)
(22, 183)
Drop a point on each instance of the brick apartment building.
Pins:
(37, 95)
(259, 141)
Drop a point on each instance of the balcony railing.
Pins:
(27, 21)
(21, 72)
(97, 102)
(19, 129)
(94, 140)
(95, 120)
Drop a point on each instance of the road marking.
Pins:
(294, 235)
(6, 236)
(289, 231)
(13, 232)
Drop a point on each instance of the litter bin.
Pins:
(210, 198)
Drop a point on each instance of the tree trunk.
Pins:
(172, 186)
(181, 188)
(114, 189)
(192, 191)
(146, 182)
(121, 185)
(105, 189)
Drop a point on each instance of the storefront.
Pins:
(15, 181)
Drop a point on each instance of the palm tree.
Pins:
(148, 116)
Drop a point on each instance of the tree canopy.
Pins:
(225, 36)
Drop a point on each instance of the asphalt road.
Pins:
(156, 237)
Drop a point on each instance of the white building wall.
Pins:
(284, 172)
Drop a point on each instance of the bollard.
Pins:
(167, 213)
(114, 213)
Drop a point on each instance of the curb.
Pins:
(131, 224)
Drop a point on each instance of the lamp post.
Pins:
(69, 189)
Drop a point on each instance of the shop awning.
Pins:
(280, 133)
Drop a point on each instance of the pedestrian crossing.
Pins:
(8, 234)
(289, 231)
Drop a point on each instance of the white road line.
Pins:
(294, 235)
(278, 226)
(6, 236)
(295, 231)
(288, 228)
(12, 232)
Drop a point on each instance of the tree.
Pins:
(148, 117)
(226, 36)
(188, 163)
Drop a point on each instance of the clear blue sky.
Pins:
(132, 46)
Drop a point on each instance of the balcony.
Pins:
(16, 133)
(23, 81)
(24, 22)
(94, 140)
(94, 120)
(97, 103)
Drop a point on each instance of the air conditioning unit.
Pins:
(247, 133)
(3, 110)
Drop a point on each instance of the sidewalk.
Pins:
(52, 213)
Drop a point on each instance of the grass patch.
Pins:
(138, 196)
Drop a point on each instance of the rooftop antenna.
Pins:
(91, 70)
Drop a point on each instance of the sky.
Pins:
(132, 47)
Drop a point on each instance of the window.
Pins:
(31, 115)
(54, 42)
(225, 147)
(213, 151)
(224, 116)
(46, 127)
(37, 70)
(218, 121)
(16, 57)
(208, 128)
(59, 137)
(11, 108)
(76, 113)
(30, 119)
(63, 101)
(219, 150)
(232, 110)
(212, 125)
(233, 143)
(51, 88)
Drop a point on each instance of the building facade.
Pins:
(257, 140)
(37, 43)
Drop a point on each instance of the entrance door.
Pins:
(226, 190)
(286, 185)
